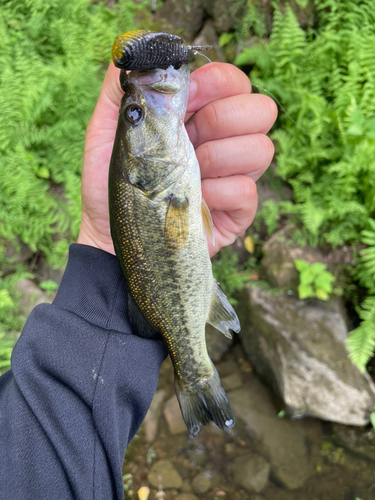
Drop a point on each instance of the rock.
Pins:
(173, 417)
(299, 348)
(217, 343)
(187, 496)
(277, 266)
(31, 296)
(16, 252)
(45, 272)
(225, 13)
(151, 421)
(358, 442)
(285, 442)
(201, 483)
(186, 487)
(198, 455)
(231, 382)
(185, 17)
(208, 36)
(251, 472)
(163, 473)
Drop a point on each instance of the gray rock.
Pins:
(16, 251)
(252, 472)
(208, 36)
(225, 13)
(359, 443)
(217, 343)
(152, 418)
(30, 296)
(284, 441)
(299, 348)
(277, 266)
(164, 474)
(201, 483)
(173, 417)
(46, 272)
(185, 17)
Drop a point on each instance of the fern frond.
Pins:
(361, 341)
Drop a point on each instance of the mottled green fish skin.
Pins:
(155, 178)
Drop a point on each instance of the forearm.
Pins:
(79, 388)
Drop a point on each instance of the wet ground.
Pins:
(267, 456)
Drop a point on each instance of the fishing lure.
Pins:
(144, 50)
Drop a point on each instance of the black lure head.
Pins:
(145, 50)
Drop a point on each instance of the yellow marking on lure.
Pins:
(123, 40)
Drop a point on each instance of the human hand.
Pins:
(227, 126)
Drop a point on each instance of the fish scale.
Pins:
(155, 204)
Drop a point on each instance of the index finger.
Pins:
(215, 81)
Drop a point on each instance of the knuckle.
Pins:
(267, 148)
(271, 106)
(207, 158)
(247, 190)
(212, 116)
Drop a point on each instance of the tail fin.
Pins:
(206, 402)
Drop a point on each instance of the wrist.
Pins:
(88, 236)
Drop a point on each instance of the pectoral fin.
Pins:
(222, 315)
(139, 325)
(176, 228)
(208, 222)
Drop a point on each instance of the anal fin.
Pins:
(222, 315)
(138, 323)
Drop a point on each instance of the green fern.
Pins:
(361, 342)
(51, 68)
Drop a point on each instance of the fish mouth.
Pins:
(169, 81)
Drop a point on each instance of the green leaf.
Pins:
(306, 277)
(305, 291)
(301, 264)
(317, 268)
(225, 38)
(321, 294)
(372, 418)
(43, 172)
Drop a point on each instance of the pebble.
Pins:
(198, 455)
(251, 472)
(185, 487)
(173, 417)
(201, 483)
(231, 382)
(187, 496)
(164, 474)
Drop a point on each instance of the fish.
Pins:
(159, 223)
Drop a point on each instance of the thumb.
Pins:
(106, 110)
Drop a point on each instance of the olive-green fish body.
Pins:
(158, 233)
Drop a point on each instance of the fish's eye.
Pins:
(134, 113)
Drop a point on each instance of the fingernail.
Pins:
(192, 133)
(193, 87)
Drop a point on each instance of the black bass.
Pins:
(157, 217)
